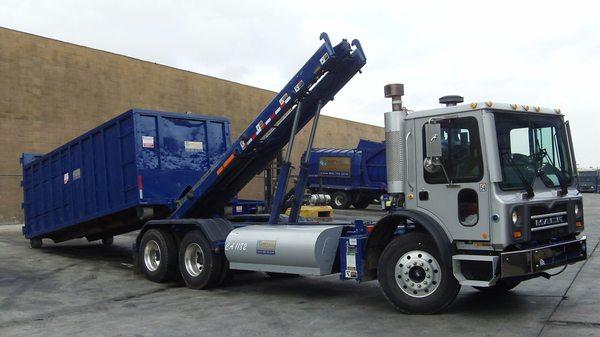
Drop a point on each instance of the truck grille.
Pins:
(547, 222)
(550, 220)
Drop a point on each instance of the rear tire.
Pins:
(35, 243)
(501, 287)
(340, 200)
(361, 202)
(158, 255)
(413, 277)
(200, 267)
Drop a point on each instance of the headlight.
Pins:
(515, 217)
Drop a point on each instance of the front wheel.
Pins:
(200, 267)
(413, 277)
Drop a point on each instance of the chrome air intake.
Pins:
(394, 139)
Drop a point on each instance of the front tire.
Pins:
(413, 277)
(200, 267)
(158, 255)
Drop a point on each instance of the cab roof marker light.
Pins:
(514, 106)
(557, 111)
(489, 104)
(526, 107)
(473, 105)
(537, 109)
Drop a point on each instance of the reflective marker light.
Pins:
(517, 234)
(577, 210)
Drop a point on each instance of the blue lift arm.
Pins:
(317, 82)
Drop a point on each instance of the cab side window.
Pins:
(461, 151)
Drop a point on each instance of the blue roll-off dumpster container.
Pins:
(115, 177)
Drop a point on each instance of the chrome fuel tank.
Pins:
(294, 249)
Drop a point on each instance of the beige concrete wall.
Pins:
(52, 91)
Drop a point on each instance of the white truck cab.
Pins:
(493, 184)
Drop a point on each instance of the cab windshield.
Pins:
(532, 145)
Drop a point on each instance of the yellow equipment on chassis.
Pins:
(314, 212)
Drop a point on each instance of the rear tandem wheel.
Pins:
(158, 255)
(200, 266)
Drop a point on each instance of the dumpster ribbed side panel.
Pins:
(93, 184)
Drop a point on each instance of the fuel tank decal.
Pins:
(266, 247)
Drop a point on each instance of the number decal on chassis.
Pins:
(236, 245)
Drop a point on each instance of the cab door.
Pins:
(457, 193)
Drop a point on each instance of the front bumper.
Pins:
(535, 260)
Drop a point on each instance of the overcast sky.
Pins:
(537, 53)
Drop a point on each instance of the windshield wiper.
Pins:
(526, 183)
(541, 154)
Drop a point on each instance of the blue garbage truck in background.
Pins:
(588, 181)
(351, 176)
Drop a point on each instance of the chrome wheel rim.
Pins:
(338, 201)
(418, 273)
(152, 255)
(194, 259)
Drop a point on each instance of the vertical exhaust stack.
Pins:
(394, 140)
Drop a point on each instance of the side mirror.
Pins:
(433, 150)
(433, 139)
(432, 165)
